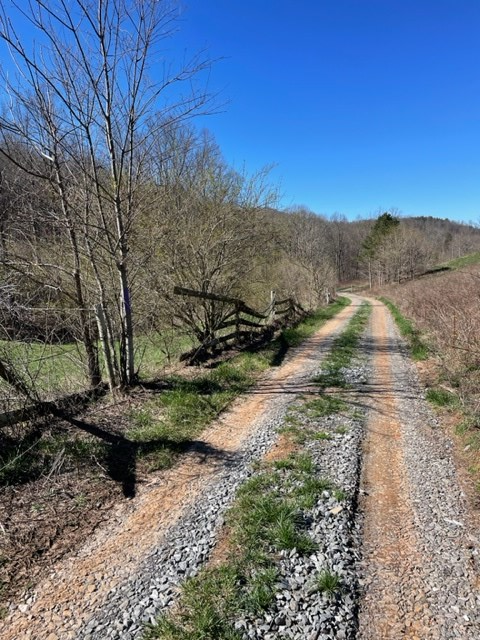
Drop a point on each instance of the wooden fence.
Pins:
(249, 325)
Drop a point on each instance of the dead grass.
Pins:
(446, 309)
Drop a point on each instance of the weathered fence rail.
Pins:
(264, 323)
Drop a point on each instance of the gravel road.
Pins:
(400, 539)
(420, 567)
(131, 568)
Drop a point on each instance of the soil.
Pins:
(394, 604)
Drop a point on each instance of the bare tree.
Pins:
(85, 110)
(308, 245)
(212, 229)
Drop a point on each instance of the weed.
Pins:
(342, 429)
(340, 495)
(328, 582)
(473, 440)
(310, 490)
(80, 500)
(325, 405)
(442, 397)
(265, 519)
(321, 435)
(465, 426)
(304, 464)
(142, 418)
(296, 335)
(261, 590)
(297, 434)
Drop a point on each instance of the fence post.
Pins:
(271, 313)
(237, 321)
(102, 332)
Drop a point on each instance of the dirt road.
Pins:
(420, 557)
(419, 570)
(63, 604)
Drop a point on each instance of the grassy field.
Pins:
(463, 261)
(54, 370)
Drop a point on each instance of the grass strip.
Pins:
(418, 349)
(343, 350)
(266, 518)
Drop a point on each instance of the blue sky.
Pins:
(361, 104)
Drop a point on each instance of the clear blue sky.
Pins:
(361, 104)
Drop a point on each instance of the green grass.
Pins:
(463, 261)
(58, 369)
(321, 435)
(342, 429)
(323, 406)
(49, 369)
(442, 397)
(61, 368)
(328, 582)
(344, 348)
(418, 348)
(294, 336)
(162, 428)
(266, 518)
(165, 426)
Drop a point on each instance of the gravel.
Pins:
(300, 610)
(451, 552)
(185, 549)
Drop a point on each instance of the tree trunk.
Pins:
(127, 352)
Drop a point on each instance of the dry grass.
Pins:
(446, 309)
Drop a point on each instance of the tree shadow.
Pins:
(121, 453)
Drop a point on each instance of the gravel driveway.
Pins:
(402, 542)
